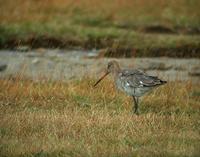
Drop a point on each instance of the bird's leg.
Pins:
(135, 108)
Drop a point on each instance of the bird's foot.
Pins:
(136, 112)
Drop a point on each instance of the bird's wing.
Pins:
(137, 78)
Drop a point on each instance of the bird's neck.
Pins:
(115, 72)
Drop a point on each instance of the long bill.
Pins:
(101, 79)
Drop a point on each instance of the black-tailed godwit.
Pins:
(133, 82)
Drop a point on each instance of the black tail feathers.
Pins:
(162, 82)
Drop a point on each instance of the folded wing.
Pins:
(137, 78)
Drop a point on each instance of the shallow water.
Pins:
(72, 64)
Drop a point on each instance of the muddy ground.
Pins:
(189, 50)
(67, 65)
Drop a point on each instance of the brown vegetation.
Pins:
(73, 119)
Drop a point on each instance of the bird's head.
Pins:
(112, 67)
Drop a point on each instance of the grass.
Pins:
(73, 119)
(99, 24)
(103, 13)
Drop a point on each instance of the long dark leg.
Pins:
(135, 107)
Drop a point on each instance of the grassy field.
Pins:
(45, 118)
(100, 24)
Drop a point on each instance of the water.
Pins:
(73, 64)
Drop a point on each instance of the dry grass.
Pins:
(73, 119)
(134, 11)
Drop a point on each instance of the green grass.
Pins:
(94, 36)
(106, 24)
(74, 119)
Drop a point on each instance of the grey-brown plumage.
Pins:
(133, 82)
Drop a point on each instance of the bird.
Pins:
(133, 82)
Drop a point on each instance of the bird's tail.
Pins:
(162, 82)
